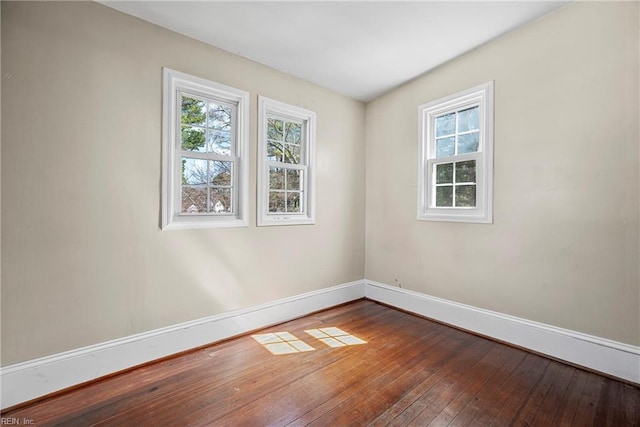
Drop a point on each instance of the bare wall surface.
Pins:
(563, 249)
(83, 257)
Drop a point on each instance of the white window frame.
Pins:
(481, 96)
(268, 107)
(176, 83)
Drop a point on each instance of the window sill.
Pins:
(275, 221)
(462, 217)
(191, 223)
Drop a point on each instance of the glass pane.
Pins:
(444, 195)
(444, 147)
(220, 200)
(468, 119)
(220, 173)
(466, 196)
(219, 142)
(291, 153)
(293, 202)
(192, 139)
(276, 201)
(193, 111)
(194, 199)
(444, 173)
(274, 129)
(274, 151)
(293, 133)
(276, 179)
(466, 171)
(194, 171)
(468, 143)
(293, 179)
(446, 125)
(219, 117)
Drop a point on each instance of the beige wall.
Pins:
(563, 248)
(84, 260)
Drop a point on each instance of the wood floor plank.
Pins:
(568, 406)
(585, 413)
(632, 404)
(432, 403)
(472, 400)
(553, 397)
(507, 397)
(326, 380)
(378, 390)
(615, 405)
(446, 373)
(411, 371)
(528, 411)
(436, 336)
(433, 368)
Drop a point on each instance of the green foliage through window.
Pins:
(456, 184)
(206, 127)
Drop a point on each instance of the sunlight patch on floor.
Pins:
(282, 343)
(335, 337)
(286, 343)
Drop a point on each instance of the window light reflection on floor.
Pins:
(282, 343)
(334, 337)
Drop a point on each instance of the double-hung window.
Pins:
(456, 157)
(204, 153)
(286, 165)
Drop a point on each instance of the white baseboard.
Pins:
(29, 380)
(599, 354)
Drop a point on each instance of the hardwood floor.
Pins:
(410, 372)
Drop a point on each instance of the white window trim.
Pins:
(175, 82)
(267, 106)
(481, 95)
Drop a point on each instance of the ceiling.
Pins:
(361, 49)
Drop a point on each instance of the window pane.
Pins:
(219, 142)
(220, 173)
(291, 153)
(466, 171)
(219, 117)
(276, 179)
(194, 199)
(293, 133)
(192, 139)
(274, 151)
(293, 179)
(193, 111)
(194, 171)
(444, 173)
(446, 125)
(276, 201)
(220, 200)
(274, 129)
(444, 195)
(444, 147)
(468, 119)
(468, 143)
(466, 196)
(293, 202)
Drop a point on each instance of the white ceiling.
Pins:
(361, 49)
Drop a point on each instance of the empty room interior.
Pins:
(327, 213)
